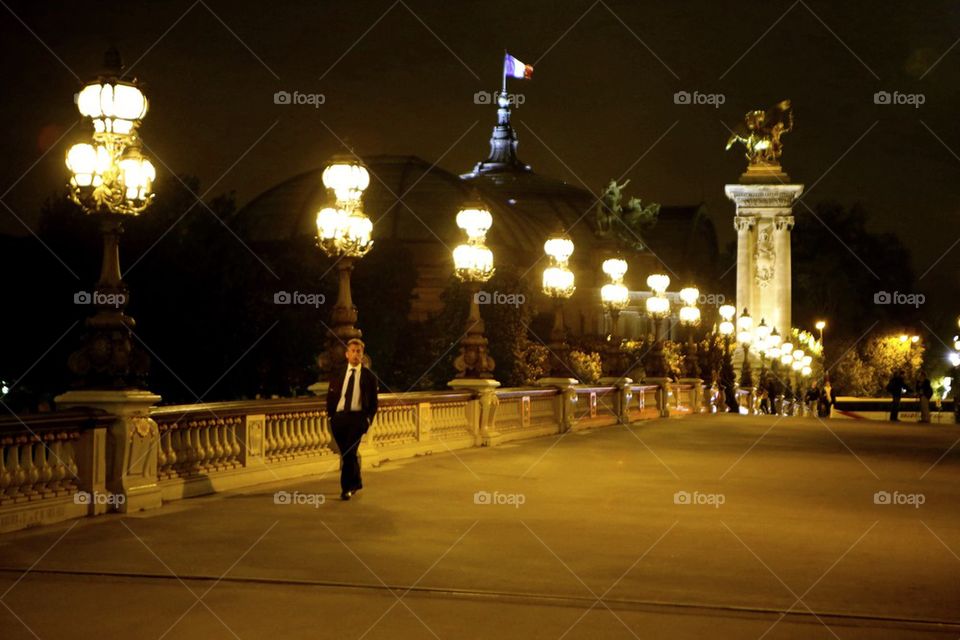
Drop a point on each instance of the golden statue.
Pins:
(760, 133)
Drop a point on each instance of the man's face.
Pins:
(354, 354)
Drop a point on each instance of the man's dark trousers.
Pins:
(348, 428)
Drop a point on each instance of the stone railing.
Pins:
(52, 467)
(80, 462)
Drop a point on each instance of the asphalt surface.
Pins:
(707, 526)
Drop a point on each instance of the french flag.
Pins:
(513, 68)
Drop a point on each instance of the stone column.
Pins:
(745, 226)
(764, 220)
(783, 225)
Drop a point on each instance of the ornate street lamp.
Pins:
(615, 297)
(761, 338)
(727, 376)
(473, 263)
(690, 318)
(745, 337)
(343, 233)
(112, 179)
(727, 327)
(658, 308)
(558, 283)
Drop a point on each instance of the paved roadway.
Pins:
(777, 536)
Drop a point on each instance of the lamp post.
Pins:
(727, 376)
(761, 337)
(558, 283)
(112, 179)
(343, 233)
(658, 308)
(690, 318)
(473, 263)
(745, 337)
(615, 297)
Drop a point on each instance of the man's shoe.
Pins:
(346, 495)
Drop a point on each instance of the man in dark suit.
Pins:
(351, 406)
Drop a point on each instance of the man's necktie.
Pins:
(348, 398)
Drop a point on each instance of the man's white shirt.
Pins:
(355, 401)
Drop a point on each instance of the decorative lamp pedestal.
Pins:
(624, 395)
(486, 408)
(566, 409)
(696, 395)
(133, 444)
(663, 394)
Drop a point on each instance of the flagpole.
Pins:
(503, 71)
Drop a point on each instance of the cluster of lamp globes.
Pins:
(766, 340)
(111, 175)
(343, 230)
(954, 357)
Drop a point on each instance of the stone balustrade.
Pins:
(58, 466)
(52, 467)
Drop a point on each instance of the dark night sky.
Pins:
(402, 81)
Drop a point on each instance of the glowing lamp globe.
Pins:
(473, 262)
(475, 220)
(347, 177)
(774, 338)
(137, 175)
(726, 328)
(690, 295)
(559, 247)
(762, 331)
(658, 306)
(658, 282)
(558, 282)
(745, 322)
(615, 295)
(689, 315)
(727, 311)
(115, 107)
(615, 268)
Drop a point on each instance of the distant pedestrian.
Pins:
(924, 393)
(895, 388)
(812, 398)
(826, 399)
(955, 386)
(351, 406)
